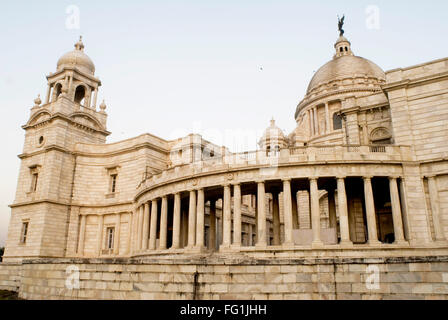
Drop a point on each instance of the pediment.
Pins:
(39, 118)
(86, 120)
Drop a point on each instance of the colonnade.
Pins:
(148, 224)
(314, 120)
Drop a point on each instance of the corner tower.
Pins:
(40, 212)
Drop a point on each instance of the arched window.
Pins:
(341, 49)
(337, 122)
(80, 94)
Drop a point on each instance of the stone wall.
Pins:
(400, 278)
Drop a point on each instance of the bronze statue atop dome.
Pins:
(341, 25)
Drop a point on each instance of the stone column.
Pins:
(176, 222)
(237, 215)
(250, 235)
(95, 98)
(316, 121)
(153, 231)
(435, 208)
(327, 119)
(332, 209)
(315, 213)
(192, 220)
(370, 212)
(140, 228)
(47, 99)
(70, 86)
(82, 235)
(311, 122)
(146, 214)
(117, 235)
(261, 213)
(396, 211)
(100, 235)
(295, 211)
(287, 212)
(343, 213)
(163, 223)
(129, 238)
(276, 218)
(227, 218)
(200, 214)
(212, 217)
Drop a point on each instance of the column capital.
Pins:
(286, 180)
(367, 177)
(260, 181)
(341, 177)
(394, 177)
(432, 176)
(226, 185)
(313, 178)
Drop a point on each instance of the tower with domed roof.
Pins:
(67, 116)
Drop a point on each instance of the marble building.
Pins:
(364, 175)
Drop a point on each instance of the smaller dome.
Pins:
(77, 58)
(273, 132)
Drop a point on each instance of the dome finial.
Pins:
(79, 45)
(272, 122)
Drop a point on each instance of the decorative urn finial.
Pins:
(37, 101)
(103, 106)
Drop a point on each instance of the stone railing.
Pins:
(291, 156)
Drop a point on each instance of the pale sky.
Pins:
(169, 67)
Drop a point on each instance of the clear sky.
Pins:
(212, 67)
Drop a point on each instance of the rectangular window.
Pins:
(113, 183)
(34, 179)
(110, 237)
(24, 232)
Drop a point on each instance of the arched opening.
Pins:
(80, 94)
(346, 49)
(268, 151)
(337, 121)
(341, 49)
(57, 91)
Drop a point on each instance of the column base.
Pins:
(374, 243)
(225, 248)
(346, 244)
(200, 249)
(288, 245)
(401, 243)
(317, 244)
(261, 245)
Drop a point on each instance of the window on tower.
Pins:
(24, 233)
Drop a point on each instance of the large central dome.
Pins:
(345, 70)
(345, 67)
